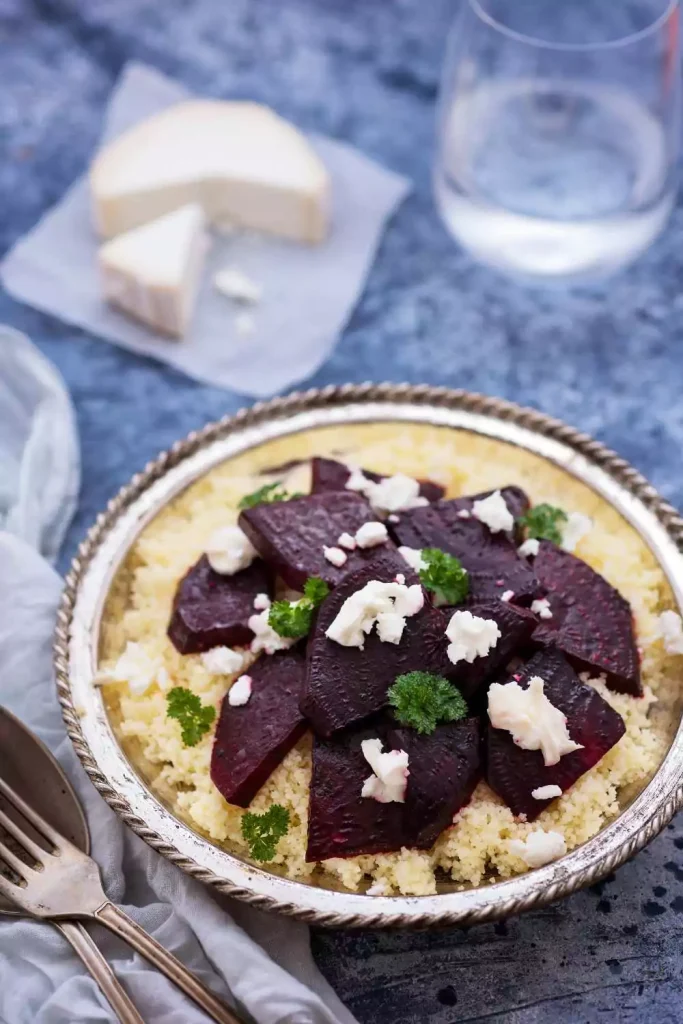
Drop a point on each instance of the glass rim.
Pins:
(477, 6)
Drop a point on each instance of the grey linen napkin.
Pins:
(264, 964)
(308, 292)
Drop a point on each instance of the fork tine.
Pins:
(22, 838)
(16, 863)
(11, 891)
(36, 819)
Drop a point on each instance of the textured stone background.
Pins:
(606, 359)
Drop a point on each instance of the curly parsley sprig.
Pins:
(294, 618)
(195, 719)
(268, 494)
(543, 522)
(264, 831)
(421, 701)
(444, 575)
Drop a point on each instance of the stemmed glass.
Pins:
(558, 132)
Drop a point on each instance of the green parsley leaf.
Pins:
(543, 522)
(444, 575)
(294, 618)
(264, 831)
(266, 495)
(421, 700)
(194, 718)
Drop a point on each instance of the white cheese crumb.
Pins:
(222, 661)
(413, 556)
(575, 529)
(229, 550)
(265, 637)
(494, 513)
(335, 556)
(530, 548)
(362, 610)
(539, 848)
(471, 637)
(234, 284)
(534, 723)
(378, 889)
(345, 540)
(464, 513)
(390, 626)
(542, 608)
(371, 534)
(546, 792)
(240, 692)
(136, 668)
(399, 578)
(393, 494)
(261, 601)
(245, 325)
(393, 518)
(389, 780)
(507, 595)
(671, 632)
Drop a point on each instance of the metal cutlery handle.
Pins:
(80, 939)
(116, 921)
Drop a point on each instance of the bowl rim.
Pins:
(111, 535)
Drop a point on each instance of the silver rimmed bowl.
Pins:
(115, 531)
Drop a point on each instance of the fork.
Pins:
(64, 884)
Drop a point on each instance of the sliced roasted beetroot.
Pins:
(252, 740)
(514, 773)
(346, 684)
(213, 610)
(591, 622)
(292, 535)
(490, 558)
(330, 475)
(445, 767)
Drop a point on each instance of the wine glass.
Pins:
(559, 132)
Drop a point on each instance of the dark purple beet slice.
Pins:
(444, 767)
(490, 558)
(212, 610)
(346, 684)
(291, 535)
(252, 740)
(591, 623)
(330, 475)
(514, 773)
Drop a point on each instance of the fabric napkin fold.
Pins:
(308, 291)
(41, 981)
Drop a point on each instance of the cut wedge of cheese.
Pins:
(152, 272)
(240, 161)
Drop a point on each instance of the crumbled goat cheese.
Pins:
(507, 596)
(413, 556)
(399, 578)
(389, 780)
(672, 632)
(229, 550)
(345, 540)
(494, 513)
(235, 284)
(371, 534)
(464, 513)
(546, 792)
(393, 518)
(245, 325)
(393, 494)
(378, 889)
(542, 608)
(136, 668)
(535, 723)
(261, 601)
(575, 529)
(240, 692)
(530, 548)
(359, 613)
(539, 848)
(335, 556)
(265, 637)
(471, 636)
(222, 661)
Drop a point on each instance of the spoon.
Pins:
(29, 768)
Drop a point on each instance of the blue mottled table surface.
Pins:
(607, 359)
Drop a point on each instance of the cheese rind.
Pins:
(239, 161)
(152, 272)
